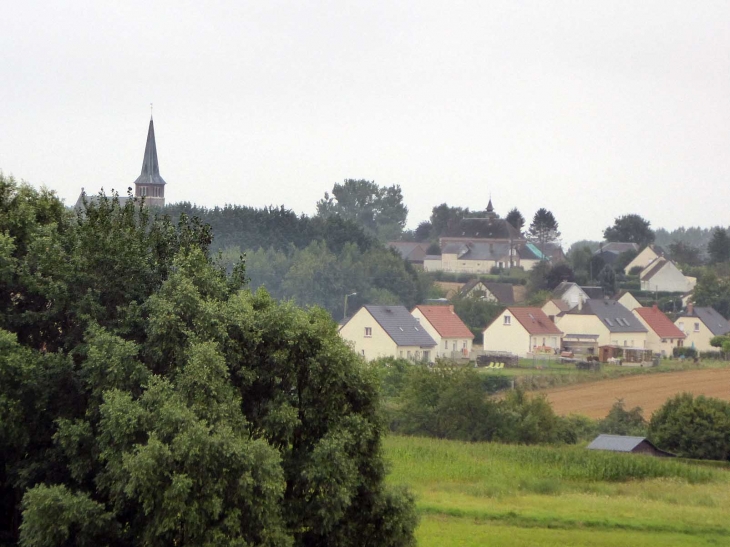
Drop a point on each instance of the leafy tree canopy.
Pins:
(685, 254)
(693, 427)
(719, 246)
(378, 209)
(544, 228)
(148, 398)
(515, 218)
(630, 229)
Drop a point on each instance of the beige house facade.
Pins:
(374, 332)
(664, 276)
(700, 325)
(662, 336)
(610, 321)
(453, 338)
(628, 301)
(643, 259)
(523, 332)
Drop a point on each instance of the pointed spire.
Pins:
(490, 207)
(150, 166)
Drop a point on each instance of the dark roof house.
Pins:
(616, 317)
(717, 324)
(627, 444)
(401, 326)
(411, 251)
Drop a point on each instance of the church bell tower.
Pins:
(150, 184)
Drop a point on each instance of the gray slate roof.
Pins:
(615, 316)
(616, 443)
(150, 166)
(401, 326)
(717, 324)
(484, 228)
(502, 292)
(593, 292)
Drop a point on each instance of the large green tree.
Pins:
(148, 398)
(631, 229)
(544, 228)
(693, 427)
(515, 218)
(378, 209)
(719, 246)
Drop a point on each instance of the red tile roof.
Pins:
(659, 323)
(445, 321)
(535, 321)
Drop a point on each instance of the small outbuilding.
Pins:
(628, 444)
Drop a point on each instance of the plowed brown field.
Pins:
(647, 391)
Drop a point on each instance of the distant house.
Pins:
(627, 444)
(412, 251)
(502, 293)
(555, 308)
(570, 293)
(574, 295)
(627, 300)
(648, 255)
(613, 324)
(388, 331)
(663, 335)
(462, 255)
(663, 275)
(610, 251)
(522, 331)
(452, 336)
(700, 325)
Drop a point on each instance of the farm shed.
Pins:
(625, 443)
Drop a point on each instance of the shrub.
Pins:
(687, 352)
(693, 427)
(620, 421)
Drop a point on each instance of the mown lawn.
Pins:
(492, 494)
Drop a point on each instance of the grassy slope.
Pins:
(490, 494)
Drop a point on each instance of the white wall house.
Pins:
(388, 331)
(663, 275)
(453, 338)
(523, 331)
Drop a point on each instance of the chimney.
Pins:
(655, 306)
(690, 309)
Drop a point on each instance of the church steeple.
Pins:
(149, 183)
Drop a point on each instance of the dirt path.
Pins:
(647, 391)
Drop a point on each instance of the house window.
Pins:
(463, 345)
(418, 355)
(446, 344)
(363, 353)
(681, 326)
(400, 354)
(680, 343)
(664, 340)
(697, 327)
(554, 342)
(409, 354)
(507, 320)
(368, 332)
(143, 191)
(426, 356)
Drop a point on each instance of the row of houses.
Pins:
(571, 322)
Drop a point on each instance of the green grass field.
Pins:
(501, 495)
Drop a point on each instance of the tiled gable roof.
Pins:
(503, 292)
(401, 326)
(653, 268)
(534, 321)
(445, 321)
(659, 323)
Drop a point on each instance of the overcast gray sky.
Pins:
(590, 109)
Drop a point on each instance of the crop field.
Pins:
(647, 391)
(501, 495)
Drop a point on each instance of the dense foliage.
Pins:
(693, 427)
(147, 398)
(631, 229)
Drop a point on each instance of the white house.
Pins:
(663, 275)
(523, 331)
(452, 336)
(388, 331)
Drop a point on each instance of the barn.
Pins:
(625, 443)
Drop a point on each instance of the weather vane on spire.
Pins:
(150, 111)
